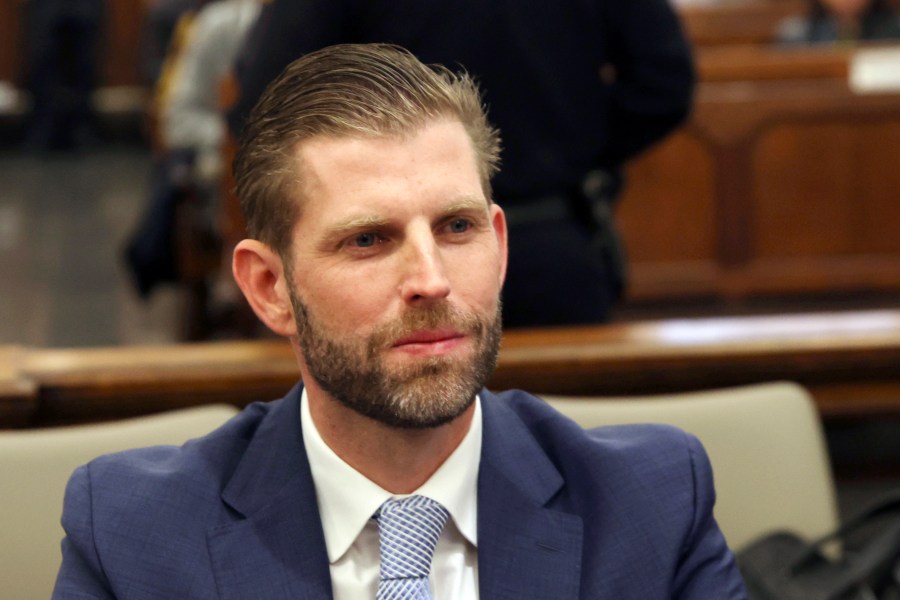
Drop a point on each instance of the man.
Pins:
(62, 39)
(578, 88)
(188, 169)
(376, 249)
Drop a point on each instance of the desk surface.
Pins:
(848, 360)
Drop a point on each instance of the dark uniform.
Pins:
(576, 87)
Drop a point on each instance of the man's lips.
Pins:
(428, 337)
(430, 341)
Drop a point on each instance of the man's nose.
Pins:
(424, 276)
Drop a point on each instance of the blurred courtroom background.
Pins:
(778, 196)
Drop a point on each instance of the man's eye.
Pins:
(460, 225)
(365, 240)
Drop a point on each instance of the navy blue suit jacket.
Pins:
(614, 513)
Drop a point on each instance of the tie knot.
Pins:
(409, 529)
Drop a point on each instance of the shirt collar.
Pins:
(347, 499)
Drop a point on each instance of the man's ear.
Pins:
(259, 272)
(498, 221)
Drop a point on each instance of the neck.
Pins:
(398, 460)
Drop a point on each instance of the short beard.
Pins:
(428, 394)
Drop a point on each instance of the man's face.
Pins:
(396, 268)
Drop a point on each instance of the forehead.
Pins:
(436, 161)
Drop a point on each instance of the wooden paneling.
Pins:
(668, 219)
(737, 22)
(815, 180)
(793, 187)
(120, 62)
(750, 63)
(11, 40)
(682, 222)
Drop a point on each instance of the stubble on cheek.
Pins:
(423, 393)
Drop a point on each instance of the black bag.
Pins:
(781, 566)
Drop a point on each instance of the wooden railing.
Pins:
(849, 361)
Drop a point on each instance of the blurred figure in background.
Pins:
(189, 129)
(577, 88)
(190, 112)
(62, 39)
(842, 21)
(161, 18)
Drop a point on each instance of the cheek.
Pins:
(349, 302)
(478, 280)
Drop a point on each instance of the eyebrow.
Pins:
(467, 203)
(356, 224)
(340, 229)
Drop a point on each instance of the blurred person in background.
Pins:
(62, 43)
(161, 18)
(189, 129)
(578, 88)
(845, 21)
(190, 112)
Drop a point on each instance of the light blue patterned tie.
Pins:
(408, 530)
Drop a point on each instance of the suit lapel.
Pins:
(275, 547)
(525, 550)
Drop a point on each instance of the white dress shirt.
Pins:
(347, 500)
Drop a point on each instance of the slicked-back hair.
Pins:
(345, 91)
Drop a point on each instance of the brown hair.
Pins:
(364, 90)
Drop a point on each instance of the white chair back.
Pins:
(35, 466)
(765, 443)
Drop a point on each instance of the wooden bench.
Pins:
(741, 22)
(783, 183)
(849, 361)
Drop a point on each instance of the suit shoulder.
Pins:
(202, 462)
(620, 451)
(548, 423)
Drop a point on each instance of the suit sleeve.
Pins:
(653, 73)
(707, 568)
(81, 574)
